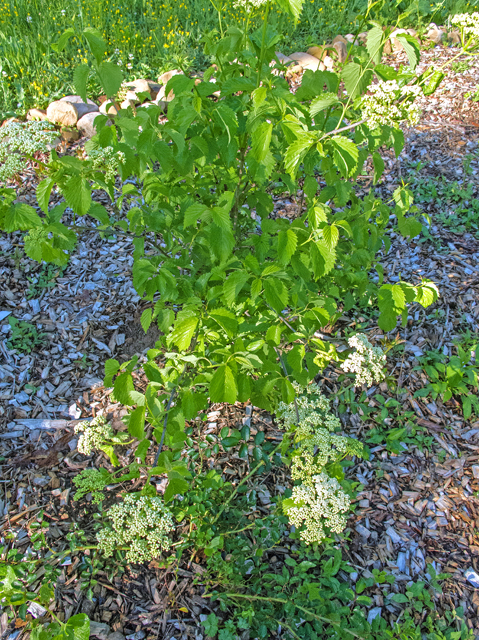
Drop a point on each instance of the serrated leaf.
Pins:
(261, 138)
(221, 218)
(193, 213)
(80, 78)
(110, 77)
(296, 152)
(226, 319)
(223, 387)
(78, 626)
(374, 42)
(21, 217)
(427, 293)
(276, 294)
(317, 214)
(146, 319)
(355, 79)
(345, 155)
(398, 141)
(398, 296)
(293, 7)
(322, 102)
(99, 212)
(287, 391)
(182, 333)
(111, 368)
(310, 187)
(287, 244)
(136, 423)
(295, 357)
(233, 285)
(274, 334)
(43, 192)
(330, 235)
(122, 387)
(258, 96)
(97, 46)
(412, 48)
(61, 43)
(77, 193)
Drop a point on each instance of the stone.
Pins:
(61, 112)
(109, 108)
(82, 107)
(362, 37)
(340, 39)
(168, 75)
(293, 70)
(453, 37)
(328, 63)
(318, 52)
(78, 100)
(350, 38)
(86, 125)
(70, 135)
(341, 49)
(305, 60)
(37, 114)
(435, 34)
(283, 58)
(162, 100)
(413, 32)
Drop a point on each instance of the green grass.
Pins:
(148, 37)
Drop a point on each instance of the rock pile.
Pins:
(77, 118)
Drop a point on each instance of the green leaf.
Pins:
(274, 334)
(177, 485)
(398, 141)
(221, 218)
(295, 357)
(296, 152)
(434, 81)
(233, 285)
(310, 187)
(378, 166)
(412, 48)
(61, 43)
(78, 626)
(317, 214)
(355, 79)
(345, 154)
(374, 44)
(293, 7)
(261, 141)
(80, 78)
(398, 296)
(330, 235)
(136, 423)
(287, 244)
(97, 45)
(182, 333)
(111, 368)
(146, 319)
(110, 77)
(244, 388)
(122, 388)
(223, 387)
(210, 625)
(276, 294)
(323, 102)
(226, 319)
(287, 391)
(43, 192)
(427, 293)
(77, 193)
(21, 217)
(193, 213)
(99, 212)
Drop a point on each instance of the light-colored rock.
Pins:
(294, 70)
(70, 135)
(128, 103)
(109, 108)
(318, 52)
(61, 112)
(168, 75)
(341, 49)
(362, 37)
(350, 38)
(86, 124)
(78, 100)
(412, 32)
(435, 34)
(283, 58)
(328, 63)
(305, 60)
(454, 37)
(37, 114)
(340, 39)
(162, 99)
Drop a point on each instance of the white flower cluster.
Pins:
(319, 507)
(390, 104)
(91, 481)
(367, 361)
(469, 25)
(140, 523)
(19, 139)
(94, 434)
(249, 5)
(108, 160)
(319, 503)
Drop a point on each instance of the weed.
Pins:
(25, 337)
(45, 279)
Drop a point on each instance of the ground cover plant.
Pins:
(147, 38)
(239, 298)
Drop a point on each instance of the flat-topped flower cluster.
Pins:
(318, 505)
(367, 361)
(108, 160)
(389, 104)
(469, 24)
(141, 524)
(94, 434)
